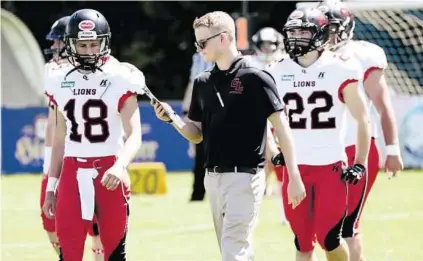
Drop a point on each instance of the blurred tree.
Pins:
(157, 37)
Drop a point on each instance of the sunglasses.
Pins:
(202, 43)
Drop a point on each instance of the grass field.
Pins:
(169, 228)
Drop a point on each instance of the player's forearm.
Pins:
(190, 132)
(57, 153)
(363, 140)
(130, 148)
(51, 122)
(389, 126)
(286, 143)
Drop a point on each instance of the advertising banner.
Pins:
(23, 132)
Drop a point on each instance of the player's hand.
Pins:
(113, 177)
(393, 165)
(49, 205)
(161, 108)
(296, 191)
(353, 174)
(278, 160)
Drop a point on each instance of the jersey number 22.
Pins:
(316, 123)
(89, 121)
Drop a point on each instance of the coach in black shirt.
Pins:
(230, 106)
(233, 106)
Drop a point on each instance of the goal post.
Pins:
(397, 27)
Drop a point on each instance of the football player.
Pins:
(373, 61)
(318, 87)
(268, 47)
(58, 59)
(96, 110)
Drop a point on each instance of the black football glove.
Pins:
(353, 174)
(278, 160)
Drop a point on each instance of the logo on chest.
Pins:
(236, 87)
(85, 91)
(305, 84)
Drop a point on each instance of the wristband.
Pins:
(392, 150)
(51, 184)
(47, 159)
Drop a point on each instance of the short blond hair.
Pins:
(217, 22)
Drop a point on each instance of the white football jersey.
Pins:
(90, 104)
(371, 57)
(49, 68)
(316, 111)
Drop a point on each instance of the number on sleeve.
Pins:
(316, 123)
(89, 121)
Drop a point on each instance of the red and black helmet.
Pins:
(340, 19)
(309, 19)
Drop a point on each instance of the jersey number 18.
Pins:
(89, 121)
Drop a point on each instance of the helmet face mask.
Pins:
(87, 40)
(306, 30)
(267, 43)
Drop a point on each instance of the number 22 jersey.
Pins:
(90, 104)
(316, 109)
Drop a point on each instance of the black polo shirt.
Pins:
(235, 134)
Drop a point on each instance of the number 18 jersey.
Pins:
(91, 106)
(316, 109)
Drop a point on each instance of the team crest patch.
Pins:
(296, 14)
(287, 77)
(68, 84)
(86, 25)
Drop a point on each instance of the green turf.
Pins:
(168, 228)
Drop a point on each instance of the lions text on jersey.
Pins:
(370, 57)
(90, 104)
(316, 109)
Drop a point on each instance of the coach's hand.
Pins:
(296, 190)
(161, 108)
(353, 174)
(114, 176)
(49, 206)
(393, 165)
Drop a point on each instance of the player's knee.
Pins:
(304, 246)
(348, 227)
(332, 239)
(97, 251)
(55, 245)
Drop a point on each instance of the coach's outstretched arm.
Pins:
(191, 131)
(356, 104)
(57, 153)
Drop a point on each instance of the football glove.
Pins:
(278, 160)
(353, 174)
